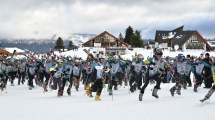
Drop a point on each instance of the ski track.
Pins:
(20, 103)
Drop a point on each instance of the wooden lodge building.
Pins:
(186, 40)
(107, 41)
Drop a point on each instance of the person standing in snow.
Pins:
(207, 71)
(155, 68)
(96, 78)
(114, 67)
(2, 74)
(47, 65)
(11, 71)
(76, 74)
(58, 74)
(180, 68)
(22, 71)
(31, 73)
(68, 75)
(137, 70)
(199, 65)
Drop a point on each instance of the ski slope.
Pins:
(19, 103)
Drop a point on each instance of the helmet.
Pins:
(158, 52)
(140, 57)
(115, 57)
(69, 58)
(101, 56)
(181, 56)
(60, 61)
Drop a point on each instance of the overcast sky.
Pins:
(43, 18)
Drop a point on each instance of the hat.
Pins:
(207, 54)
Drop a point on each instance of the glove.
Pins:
(68, 69)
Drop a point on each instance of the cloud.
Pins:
(43, 18)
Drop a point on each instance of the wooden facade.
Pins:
(4, 52)
(105, 40)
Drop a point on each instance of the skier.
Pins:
(58, 74)
(11, 71)
(96, 78)
(76, 73)
(207, 71)
(31, 73)
(68, 75)
(114, 67)
(180, 68)
(137, 69)
(199, 65)
(2, 74)
(22, 71)
(154, 71)
(48, 65)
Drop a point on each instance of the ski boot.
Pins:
(88, 90)
(140, 96)
(76, 87)
(69, 91)
(23, 81)
(60, 93)
(195, 88)
(45, 88)
(154, 93)
(208, 95)
(172, 90)
(110, 91)
(178, 91)
(203, 100)
(115, 87)
(97, 98)
(131, 89)
(30, 87)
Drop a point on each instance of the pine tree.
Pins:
(128, 34)
(59, 43)
(121, 37)
(136, 39)
(70, 46)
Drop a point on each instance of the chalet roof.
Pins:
(178, 36)
(105, 32)
(3, 51)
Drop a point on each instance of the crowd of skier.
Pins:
(52, 72)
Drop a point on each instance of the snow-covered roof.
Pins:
(14, 48)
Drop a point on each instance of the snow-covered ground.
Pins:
(129, 53)
(22, 104)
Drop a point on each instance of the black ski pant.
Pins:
(47, 77)
(21, 77)
(208, 82)
(112, 82)
(30, 80)
(148, 78)
(11, 76)
(68, 79)
(198, 79)
(188, 80)
(57, 82)
(97, 86)
(135, 80)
